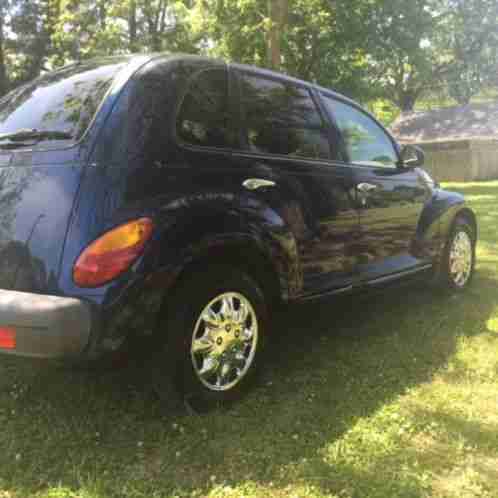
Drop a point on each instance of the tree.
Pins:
(88, 28)
(396, 38)
(321, 45)
(302, 38)
(412, 47)
(4, 82)
(24, 40)
(277, 17)
(397, 50)
(474, 42)
(31, 45)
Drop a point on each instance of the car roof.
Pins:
(98, 61)
(143, 58)
(140, 60)
(245, 67)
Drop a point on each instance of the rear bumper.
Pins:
(45, 326)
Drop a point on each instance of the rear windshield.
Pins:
(64, 101)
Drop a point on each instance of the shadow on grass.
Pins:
(333, 365)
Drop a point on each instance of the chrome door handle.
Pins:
(366, 187)
(255, 183)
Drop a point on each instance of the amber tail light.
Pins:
(7, 338)
(112, 253)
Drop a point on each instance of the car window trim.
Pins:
(333, 133)
(329, 163)
(397, 165)
(243, 130)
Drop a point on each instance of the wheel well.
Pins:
(250, 260)
(468, 216)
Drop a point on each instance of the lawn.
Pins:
(386, 396)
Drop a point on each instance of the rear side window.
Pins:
(281, 118)
(64, 101)
(203, 116)
(365, 141)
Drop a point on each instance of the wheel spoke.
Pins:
(240, 358)
(227, 307)
(202, 345)
(242, 314)
(211, 318)
(210, 366)
(225, 370)
(247, 335)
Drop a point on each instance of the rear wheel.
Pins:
(217, 335)
(459, 256)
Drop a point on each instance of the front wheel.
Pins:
(218, 334)
(459, 257)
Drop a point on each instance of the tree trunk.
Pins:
(464, 99)
(158, 27)
(102, 15)
(156, 41)
(277, 12)
(152, 20)
(4, 83)
(53, 14)
(407, 101)
(132, 26)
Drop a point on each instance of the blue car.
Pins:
(179, 199)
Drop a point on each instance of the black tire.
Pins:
(447, 279)
(194, 293)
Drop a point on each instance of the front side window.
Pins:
(203, 117)
(366, 142)
(282, 119)
(64, 101)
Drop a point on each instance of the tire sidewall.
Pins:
(195, 294)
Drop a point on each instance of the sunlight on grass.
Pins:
(492, 323)
(378, 397)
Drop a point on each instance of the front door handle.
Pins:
(255, 183)
(366, 187)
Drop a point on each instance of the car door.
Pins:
(390, 198)
(286, 141)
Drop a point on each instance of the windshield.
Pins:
(62, 101)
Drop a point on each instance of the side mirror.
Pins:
(412, 156)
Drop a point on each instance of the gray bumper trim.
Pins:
(46, 326)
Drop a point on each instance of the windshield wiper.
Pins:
(34, 135)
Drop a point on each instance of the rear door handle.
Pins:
(366, 187)
(255, 183)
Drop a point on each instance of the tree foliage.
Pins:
(395, 50)
(473, 40)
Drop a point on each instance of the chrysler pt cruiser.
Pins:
(183, 198)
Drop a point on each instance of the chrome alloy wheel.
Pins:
(224, 341)
(461, 258)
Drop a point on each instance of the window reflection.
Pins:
(282, 119)
(64, 100)
(203, 117)
(366, 142)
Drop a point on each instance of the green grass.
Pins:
(387, 396)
